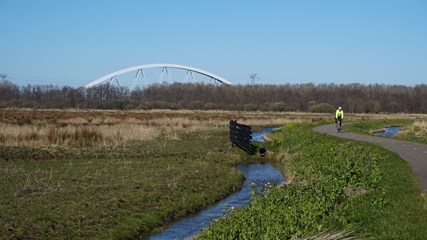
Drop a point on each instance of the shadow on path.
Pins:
(413, 153)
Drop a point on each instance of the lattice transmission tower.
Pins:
(253, 77)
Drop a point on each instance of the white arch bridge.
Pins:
(189, 76)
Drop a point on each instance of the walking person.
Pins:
(339, 116)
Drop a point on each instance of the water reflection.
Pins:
(257, 176)
(257, 136)
(388, 132)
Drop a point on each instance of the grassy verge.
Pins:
(112, 193)
(125, 174)
(334, 186)
(114, 174)
(411, 130)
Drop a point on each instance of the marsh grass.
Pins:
(70, 174)
(103, 196)
(115, 128)
(419, 130)
(111, 133)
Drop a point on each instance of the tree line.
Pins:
(357, 98)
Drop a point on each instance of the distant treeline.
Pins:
(359, 98)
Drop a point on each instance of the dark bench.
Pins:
(240, 136)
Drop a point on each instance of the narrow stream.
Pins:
(257, 136)
(257, 176)
(388, 132)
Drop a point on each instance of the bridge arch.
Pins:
(139, 69)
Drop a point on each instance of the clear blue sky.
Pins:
(74, 42)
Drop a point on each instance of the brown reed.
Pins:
(76, 128)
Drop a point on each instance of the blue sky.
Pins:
(74, 42)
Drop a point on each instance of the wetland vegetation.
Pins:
(127, 174)
(113, 174)
(336, 186)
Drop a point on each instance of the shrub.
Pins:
(321, 108)
(278, 106)
(250, 107)
(196, 104)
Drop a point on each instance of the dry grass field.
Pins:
(420, 128)
(116, 128)
(76, 128)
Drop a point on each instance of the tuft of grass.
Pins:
(78, 136)
(416, 132)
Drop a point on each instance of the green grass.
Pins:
(132, 192)
(367, 127)
(121, 193)
(408, 133)
(337, 185)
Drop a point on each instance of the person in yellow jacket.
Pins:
(339, 116)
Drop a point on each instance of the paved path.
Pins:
(414, 153)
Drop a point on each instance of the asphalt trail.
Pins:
(413, 153)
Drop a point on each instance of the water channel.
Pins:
(257, 136)
(388, 132)
(257, 176)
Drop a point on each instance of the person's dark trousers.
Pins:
(340, 120)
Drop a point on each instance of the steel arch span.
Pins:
(165, 66)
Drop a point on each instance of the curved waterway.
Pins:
(257, 136)
(257, 177)
(388, 132)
